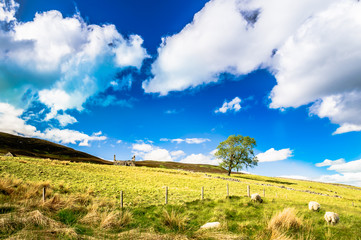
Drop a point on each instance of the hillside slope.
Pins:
(83, 201)
(33, 147)
(182, 166)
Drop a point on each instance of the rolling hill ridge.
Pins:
(33, 147)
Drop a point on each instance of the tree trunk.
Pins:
(230, 167)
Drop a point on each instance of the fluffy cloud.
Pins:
(201, 159)
(7, 10)
(311, 48)
(347, 172)
(229, 106)
(177, 154)
(320, 63)
(187, 140)
(232, 36)
(60, 62)
(11, 122)
(142, 147)
(70, 59)
(158, 154)
(272, 155)
(149, 152)
(65, 119)
(328, 162)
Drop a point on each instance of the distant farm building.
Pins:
(124, 162)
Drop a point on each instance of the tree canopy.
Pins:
(236, 152)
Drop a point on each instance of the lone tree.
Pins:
(237, 152)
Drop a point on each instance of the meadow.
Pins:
(83, 202)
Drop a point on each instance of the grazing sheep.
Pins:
(256, 197)
(211, 225)
(315, 206)
(331, 217)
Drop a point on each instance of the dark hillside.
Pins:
(33, 147)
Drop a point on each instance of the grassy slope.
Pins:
(94, 189)
(182, 166)
(34, 147)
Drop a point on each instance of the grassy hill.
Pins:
(83, 202)
(33, 147)
(182, 166)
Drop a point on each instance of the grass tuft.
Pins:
(116, 220)
(285, 220)
(174, 220)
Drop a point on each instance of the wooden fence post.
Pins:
(202, 193)
(227, 190)
(121, 199)
(166, 195)
(115, 159)
(44, 193)
(248, 191)
(264, 192)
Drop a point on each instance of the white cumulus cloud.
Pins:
(176, 154)
(347, 172)
(233, 36)
(328, 162)
(201, 159)
(272, 155)
(11, 122)
(320, 63)
(229, 106)
(312, 48)
(148, 151)
(7, 10)
(62, 59)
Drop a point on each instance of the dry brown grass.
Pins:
(36, 218)
(285, 220)
(57, 233)
(11, 222)
(54, 203)
(174, 220)
(92, 218)
(116, 220)
(8, 185)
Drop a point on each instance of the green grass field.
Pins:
(83, 202)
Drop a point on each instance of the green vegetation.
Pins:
(236, 152)
(83, 202)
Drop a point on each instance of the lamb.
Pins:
(315, 206)
(256, 197)
(332, 217)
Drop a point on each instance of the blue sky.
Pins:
(170, 80)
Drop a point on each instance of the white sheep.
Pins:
(332, 217)
(256, 197)
(315, 206)
(211, 225)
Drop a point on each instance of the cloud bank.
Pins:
(11, 122)
(347, 172)
(312, 48)
(59, 62)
